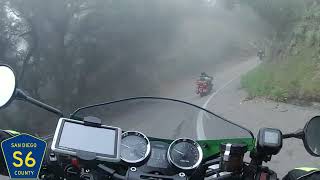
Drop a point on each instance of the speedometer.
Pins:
(185, 154)
(135, 147)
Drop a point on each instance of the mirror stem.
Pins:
(299, 135)
(20, 95)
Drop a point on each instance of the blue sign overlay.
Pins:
(23, 154)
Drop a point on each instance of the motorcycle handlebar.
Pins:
(103, 171)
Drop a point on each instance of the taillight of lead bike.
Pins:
(232, 157)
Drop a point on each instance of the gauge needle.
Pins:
(178, 151)
(139, 153)
(125, 145)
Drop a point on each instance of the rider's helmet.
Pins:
(203, 74)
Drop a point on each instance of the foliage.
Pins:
(78, 52)
(297, 77)
(280, 14)
(294, 72)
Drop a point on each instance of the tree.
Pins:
(280, 14)
(79, 52)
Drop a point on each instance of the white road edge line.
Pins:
(200, 130)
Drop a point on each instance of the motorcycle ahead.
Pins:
(203, 87)
(154, 138)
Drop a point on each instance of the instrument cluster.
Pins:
(182, 154)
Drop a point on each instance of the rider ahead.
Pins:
(205, 77)
(260, 54)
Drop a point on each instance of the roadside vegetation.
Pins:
(291, 68)
(70, 53)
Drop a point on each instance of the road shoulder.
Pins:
(231, 103)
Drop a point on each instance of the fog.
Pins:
(77, 52)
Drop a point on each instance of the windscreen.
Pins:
(165, 118)
(79, 137)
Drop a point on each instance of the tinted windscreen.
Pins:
(164, 118)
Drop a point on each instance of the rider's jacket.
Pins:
(303, 173)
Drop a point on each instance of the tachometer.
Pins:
(135, 147)
(185, 154)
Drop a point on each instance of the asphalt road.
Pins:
(230, 103)
(227, 100)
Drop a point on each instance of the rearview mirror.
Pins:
(9, 92)
(311, 136)
(7, 85)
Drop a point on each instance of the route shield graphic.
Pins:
(23, 155)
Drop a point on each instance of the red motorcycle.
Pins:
(203, 87)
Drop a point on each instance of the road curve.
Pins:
(231, 103)
(170, 121)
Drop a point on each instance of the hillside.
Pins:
(291, 69)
